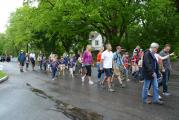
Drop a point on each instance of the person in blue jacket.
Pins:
(21, 60)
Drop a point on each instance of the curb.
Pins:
(4, 79)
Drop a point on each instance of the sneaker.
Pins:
(148, 102)
(123, 86)
(82, 79)
(160, 97)
(111, 90)
(166, 94)
(91, 82)
(128, 80)
(149, 94)
(159, 102)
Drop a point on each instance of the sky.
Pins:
(6, 7)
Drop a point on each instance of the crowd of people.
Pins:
(149, 67)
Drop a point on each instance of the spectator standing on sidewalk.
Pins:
(21, 59)
(87, 62)
(150, 71)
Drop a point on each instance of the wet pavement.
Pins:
(33, 96)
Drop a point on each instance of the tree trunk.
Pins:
(177, 5)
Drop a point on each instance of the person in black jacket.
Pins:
(150, 70)
(21, 59)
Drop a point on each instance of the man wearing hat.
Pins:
(21, 59)
(150, 70)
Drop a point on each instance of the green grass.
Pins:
(2, 74)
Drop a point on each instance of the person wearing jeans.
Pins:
(147, 83)
(100, 72)
(21, 59)
(167, 69)
(54, 67)
(150, 71)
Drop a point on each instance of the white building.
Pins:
(96, 40)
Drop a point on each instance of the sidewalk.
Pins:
(5, 77)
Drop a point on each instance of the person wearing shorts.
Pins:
(108, 72)
(32, 59)
(107, 64)
(87, 62)
(62, 66)
(118, 65)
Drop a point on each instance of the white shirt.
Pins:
(157, 56)
(32, 55)
(107, 58)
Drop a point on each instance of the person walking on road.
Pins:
(32, 59)
(27, 61)
(150, 69)
(107, 65)
(125, 60)
(21, 59)
(87, 62)
(98, 63)
(62, 66)
(118, 65)
(167, 69)
(54, 66)
(71, 66)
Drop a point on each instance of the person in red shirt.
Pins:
(125, 60)
(100, 72)
(134, 62)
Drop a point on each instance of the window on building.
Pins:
(96, 42)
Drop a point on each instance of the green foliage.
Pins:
(64, 25)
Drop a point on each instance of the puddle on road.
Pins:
(74, 113)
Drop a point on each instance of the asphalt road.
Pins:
(33, 96)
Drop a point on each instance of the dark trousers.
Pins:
(45, 66)
(41, 64)
(54, 71)
(27, 65)
(165, 79)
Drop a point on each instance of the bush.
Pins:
(2, 74)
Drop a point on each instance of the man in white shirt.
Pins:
(32, 59)
(107, 64)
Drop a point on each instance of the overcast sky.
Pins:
(6, 7)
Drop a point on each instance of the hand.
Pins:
(101, 68)
(154, 75)
(172, 54)
(124, 66)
